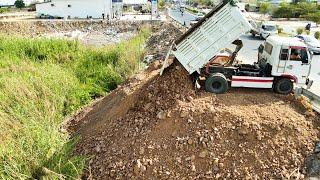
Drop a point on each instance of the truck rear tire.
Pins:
(283, 86)
(216, 83)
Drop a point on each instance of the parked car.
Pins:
(312, 43)
(263, 30)
(193, 22)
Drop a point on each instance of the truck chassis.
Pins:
(220, 78)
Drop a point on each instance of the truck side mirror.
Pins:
(260, 49)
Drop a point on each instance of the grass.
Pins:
(192, 10)
(4, 10)
(42, 82)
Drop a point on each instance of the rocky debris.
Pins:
(206, 136)
(312, 162)
(172, 132)
(97, 33)
(160, 41)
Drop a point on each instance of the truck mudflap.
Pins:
(252, 82)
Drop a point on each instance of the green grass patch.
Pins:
(43, 81)
(4, 10)
(193, 11)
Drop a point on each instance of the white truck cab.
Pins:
(286, 57)
(282, 62)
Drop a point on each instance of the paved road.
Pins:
(185, 18)
(248, 54)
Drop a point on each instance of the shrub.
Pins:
(299, 31)
(161, 4)
(279, 29)
(317, 34)
(307, 32)
(264, 8)
(3, 10)
(286, 10)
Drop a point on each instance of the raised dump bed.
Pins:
(218, 29)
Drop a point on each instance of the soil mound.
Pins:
(159, 127)
(170, 131)
(160, 41)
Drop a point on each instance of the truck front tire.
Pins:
(216, 83)
(283, 86)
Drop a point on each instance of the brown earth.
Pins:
(163, 129)
(39, 28)
(159, 127)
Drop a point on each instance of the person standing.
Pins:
(308, 26)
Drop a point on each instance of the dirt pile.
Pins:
(167, 130)
(160, 41)
(39, 28)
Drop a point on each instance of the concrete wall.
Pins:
(77, 9)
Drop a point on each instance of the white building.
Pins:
(117, 8)
(76, 8)
(135, 2)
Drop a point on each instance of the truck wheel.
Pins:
(283, 86)
(253, 34)
(216, 83)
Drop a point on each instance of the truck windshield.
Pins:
(269, 28)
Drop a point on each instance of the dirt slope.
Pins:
(159, 127)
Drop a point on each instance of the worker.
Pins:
(295, 55)
(103, 16)
(308, 26)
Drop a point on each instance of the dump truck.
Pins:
(282, 62)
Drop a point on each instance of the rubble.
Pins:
(239, 139)
(160, 41)
(97, 33)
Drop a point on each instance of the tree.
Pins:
(264, 8)
(19, 4)
(161, 4)
(315, 17)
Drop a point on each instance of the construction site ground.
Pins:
(160, 127)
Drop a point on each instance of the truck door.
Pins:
(297, 64)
